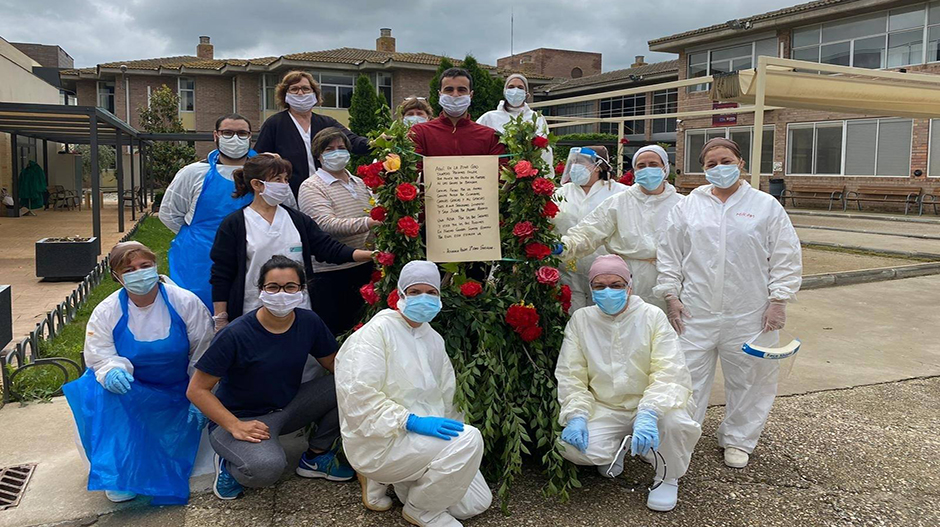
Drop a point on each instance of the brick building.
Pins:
(817, 146)
(560, 63)
(209, 87)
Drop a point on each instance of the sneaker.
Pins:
(664, 497)
(325, 465)
(374, 496)
(428, 519)
(735, 457)
(119, 497)
(225, 487)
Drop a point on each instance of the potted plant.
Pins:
(69, 258)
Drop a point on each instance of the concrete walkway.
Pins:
(829, 458)
(870, 241)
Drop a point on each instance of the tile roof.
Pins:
(657, 68)
(809, 6)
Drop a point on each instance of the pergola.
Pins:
(778, 83)
(90, 126)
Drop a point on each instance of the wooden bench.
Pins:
(687, 188)
(828, 193)
(909, 196)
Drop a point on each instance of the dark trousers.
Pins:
(335, 296)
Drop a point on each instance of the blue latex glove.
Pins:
(576, 433)
(439, 427)
(558, 249)
(196, 417)
(645, 433)
(118, 381)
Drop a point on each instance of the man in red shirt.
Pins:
(454, 133)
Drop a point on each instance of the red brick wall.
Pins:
(87, 92)
(248, 100)
(213, 100)
(554, 62)
(406, 83)
(138, 85)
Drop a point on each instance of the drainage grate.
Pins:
(13, 481)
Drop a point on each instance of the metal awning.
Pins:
(76, 125)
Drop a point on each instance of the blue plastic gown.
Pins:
(142, 441)
(190, 265)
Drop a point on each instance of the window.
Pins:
(726, 60)
(576, 73)
(859, 147)
(337, 89)
(106, 96)
(578, 109)
(269, 82)
(187, 94)
(665, 101)
(887, 39)
(624, 106)
(383, 85)
(742, 135)
(933, 157)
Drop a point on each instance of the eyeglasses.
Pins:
(289, 287)
(300, 90)
(242, 134)
(601, 287)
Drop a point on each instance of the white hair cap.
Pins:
(419, 272)
(653, 148)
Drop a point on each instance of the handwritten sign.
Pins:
(462, 208)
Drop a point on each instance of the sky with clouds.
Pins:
(96, 31)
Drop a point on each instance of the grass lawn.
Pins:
(43, 382)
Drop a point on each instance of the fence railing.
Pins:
(26, 353)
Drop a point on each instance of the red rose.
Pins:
(378, 213)
(524, 169)
(372, 170)
(550, 210)
(530, 333)
(406, 192)
(560, 169)
(539, 141)
(523, 230)
(373, 181)
(471, 289)
(543, 187)
(627, 178)
(392, 299)
(537, 250)
(547, 275)
(519, 316)
(409, 227)
(624, 141)
(362, 170)
(565, 294)
(368, 294)
(376, 276)
(358, 326)
(386, 258)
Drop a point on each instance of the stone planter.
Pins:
(66, 258)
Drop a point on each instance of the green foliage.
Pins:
(162, 117)
(487, 90)
(435, 85)
(366, 102)
(106, 159)
(561, 151)
(42, 382)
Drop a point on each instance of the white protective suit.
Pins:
(146, 324)
(612, 366)
(498, 118)
(630, 225)
(179, 201)
(725, 262)
(573, 206)
(385, 371)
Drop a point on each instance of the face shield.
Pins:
(779, 346)
(580, 165)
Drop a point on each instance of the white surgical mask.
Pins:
(580, 174)
(414, 119)
(281, 304)
(455, 106)
(514, 96)
(234, 147)
(275, 193)
(301, 103)
(334, 160)
(723, 176)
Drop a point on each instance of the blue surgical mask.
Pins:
(514, 96)
(723, 176)
(422, 308)
(580, 175)
(649, 178)
(610, 301)
(411, 120)
(335, 160)
(141, 281)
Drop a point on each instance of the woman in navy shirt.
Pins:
(258, 361)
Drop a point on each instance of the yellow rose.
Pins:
(371, 202)
(392, 163)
